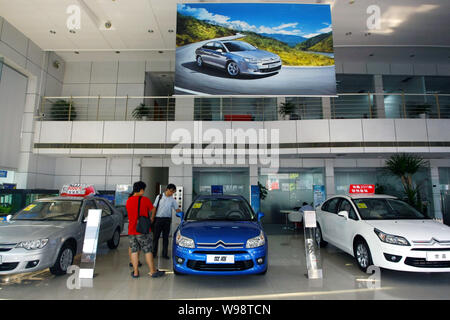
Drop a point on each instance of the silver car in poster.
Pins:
(50, 232)
(237, 57)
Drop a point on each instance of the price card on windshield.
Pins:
(30, 207)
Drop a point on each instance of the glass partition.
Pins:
(287, 190)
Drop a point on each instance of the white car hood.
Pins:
(414, 230)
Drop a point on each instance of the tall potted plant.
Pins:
(405, 166)
(62, 110)
(287, 110)
(141, 112)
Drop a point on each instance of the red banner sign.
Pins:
(362, 188)
(77, 190)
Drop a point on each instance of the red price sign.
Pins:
(362, 188)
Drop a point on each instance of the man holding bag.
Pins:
(139, 209)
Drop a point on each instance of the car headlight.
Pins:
(256, 241)
(183, 241)
(32, 244)
(391, 239)
(251, 60)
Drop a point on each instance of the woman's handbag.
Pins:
(144, 223)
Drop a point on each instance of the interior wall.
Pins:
(153, 177)
(13, 87)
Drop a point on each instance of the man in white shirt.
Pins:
(162, 218)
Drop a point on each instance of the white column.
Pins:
(436, 193)
(184, 109)
(326, 107)
(329, 177)
(379, 99)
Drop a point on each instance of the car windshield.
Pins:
(50, 210)
(386, 209)
(239, 46)
(222, 209)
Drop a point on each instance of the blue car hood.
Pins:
(227, 231)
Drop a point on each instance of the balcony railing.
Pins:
(344, 106)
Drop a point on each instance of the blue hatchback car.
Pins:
(220, 235)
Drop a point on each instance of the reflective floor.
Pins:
(285, 279)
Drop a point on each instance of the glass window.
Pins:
(332, 205)
(386, 209)
(346, 206)
(354, 83)
(50, 210)
(106, 210)
(220, 209)
(90, 204)
(209, 46)
(236, 46)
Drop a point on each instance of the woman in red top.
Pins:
(140, 241)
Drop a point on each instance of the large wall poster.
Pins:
(254, 49)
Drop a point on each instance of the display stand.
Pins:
(90, 244)
(312, 250)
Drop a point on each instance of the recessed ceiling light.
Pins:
(52, 31)
(77, 52)
(117, 52)
(161, 51)
(371, 55)
(348, 33)
(170, 30)
(412, 55)
(150, 31)
(72, 31)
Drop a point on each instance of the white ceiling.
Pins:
(413, 23)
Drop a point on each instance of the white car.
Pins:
(384, 231)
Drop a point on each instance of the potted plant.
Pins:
(262, 191)
(141, 112)
(287, 110)
(422, 110)
(62, 110)
(405, 166)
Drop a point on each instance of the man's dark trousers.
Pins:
(161, 225)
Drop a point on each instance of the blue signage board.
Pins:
(255, 199)
(3, 173)
(319, 195)
(217, 190)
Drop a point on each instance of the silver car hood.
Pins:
(16, 231)
(256, 54)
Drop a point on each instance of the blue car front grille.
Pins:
(220, 243)
(203, 266)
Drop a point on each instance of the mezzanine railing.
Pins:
(344, 106)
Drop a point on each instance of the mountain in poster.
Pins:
(191, 30)
(290, 40)
(320, 43)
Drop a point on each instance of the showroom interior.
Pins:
(393, 97)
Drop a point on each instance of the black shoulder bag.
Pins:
(143, 224)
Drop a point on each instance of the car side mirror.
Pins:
(219, 50)
(343, 214)
(260, 215)
(180, 215)
(8, 217)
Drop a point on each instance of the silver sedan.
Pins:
(50, 232)
(237, 57)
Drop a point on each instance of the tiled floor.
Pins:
(285, 279)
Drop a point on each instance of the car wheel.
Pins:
(64, 260)
(199, 61)
(113, 243)
(362, 255)
(319, 239)
(232, 69)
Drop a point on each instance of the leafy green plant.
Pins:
(405, 166)
(262, 191)
(62, 110)
(141, 111)
(287, 108)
